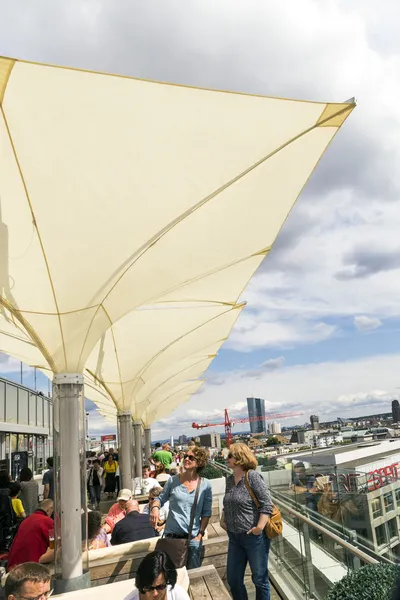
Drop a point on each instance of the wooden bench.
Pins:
(121, 562)
(206, 584)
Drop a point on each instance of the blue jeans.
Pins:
(252, 549)
(95, 494)
(194, 555)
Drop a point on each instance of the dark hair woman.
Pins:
(97, 537)
(29, 491)
(245, 524)
(156, 578)
(180, 492)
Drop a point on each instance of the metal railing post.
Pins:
(309, 563)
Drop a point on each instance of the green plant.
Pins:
(211, 472)
(372, 582)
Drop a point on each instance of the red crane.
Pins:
(228, 423)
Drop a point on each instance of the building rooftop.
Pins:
(352, 455)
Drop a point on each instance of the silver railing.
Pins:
(312, 553)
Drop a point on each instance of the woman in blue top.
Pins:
(180, 491)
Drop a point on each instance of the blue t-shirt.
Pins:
(48, 478)
(180, 505)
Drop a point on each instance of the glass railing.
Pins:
(334, 523)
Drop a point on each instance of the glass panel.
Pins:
(39, 408)
(397, 493)
(11, 404)
(2, 404)
(32, 409)
(39, 456)
(393, 529)
(376, 507)
(23, 407)
(388, 501)
(380, 535)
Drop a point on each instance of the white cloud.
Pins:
(329, 389)
(338, 253)
(364, 323)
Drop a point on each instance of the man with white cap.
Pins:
(118, 510)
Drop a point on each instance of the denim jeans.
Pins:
(252, 549)
(194, 555)
(95, 494)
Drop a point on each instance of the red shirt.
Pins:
(32, 539)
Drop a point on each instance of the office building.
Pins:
(211, 440)
(366, 478)
(183, 439)
(26, 426)
(274, 428)
(314, 420)
(396, 411)
(256, 408)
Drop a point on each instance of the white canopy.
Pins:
(117, 193)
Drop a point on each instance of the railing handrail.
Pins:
(337, 539)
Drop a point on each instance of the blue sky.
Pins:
(320, 333)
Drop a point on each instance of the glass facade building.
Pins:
(256, 408)
(26, 422)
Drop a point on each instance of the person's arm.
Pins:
(46, 484)
(206, 511)
(263, 496)
(114, 538)
(47, 557)
(159, 502)
(22, 512)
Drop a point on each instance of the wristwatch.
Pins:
(201, 532)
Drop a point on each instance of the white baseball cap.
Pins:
(124, 494)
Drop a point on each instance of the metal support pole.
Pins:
(147, 443)
(137, 428)
(70, 481)
(308, 560)
(125, 442)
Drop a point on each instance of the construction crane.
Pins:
(229, 423)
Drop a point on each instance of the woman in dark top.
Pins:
(245, 524)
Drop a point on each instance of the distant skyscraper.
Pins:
(396, 411)
(314, 420)
(256, 408)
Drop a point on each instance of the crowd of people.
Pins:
(179, 508)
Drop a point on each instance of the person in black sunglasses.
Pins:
(156, 578)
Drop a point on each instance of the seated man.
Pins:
(29, 580)
(145, 481)
(133, 527)
(31, 542)
(117, 511)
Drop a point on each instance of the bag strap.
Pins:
(252, 494)
(194, 508)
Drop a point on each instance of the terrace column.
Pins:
(147, 443)
(137, 429)
(71, 572)
(125, 441)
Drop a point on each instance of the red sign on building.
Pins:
(109, 438)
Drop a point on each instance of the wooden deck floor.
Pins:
(206, 584)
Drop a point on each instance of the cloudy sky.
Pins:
(321, 330)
